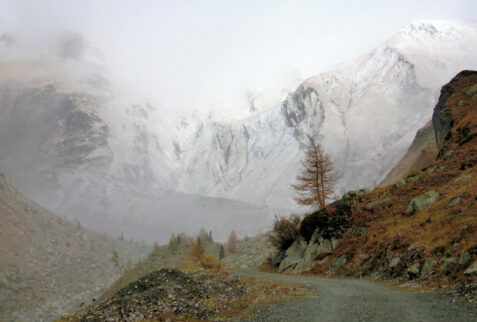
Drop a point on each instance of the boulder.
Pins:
(276, 259)
(317, 245)
(448, 265)
(464, 258)
(378, 203)
(422, 202)
(308, 256)
(428, 268)
(338, 263)
(293, 254)
(396, 265)
(413, 271)
(472, 269)
(395, 262)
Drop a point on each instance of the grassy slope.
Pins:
(422, 152)
(47, 262)
(440, 230)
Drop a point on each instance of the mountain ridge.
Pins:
(96, 139)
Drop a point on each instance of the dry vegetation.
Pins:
(446, 228)
(202, 290)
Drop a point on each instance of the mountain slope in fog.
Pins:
(77, 147)
(48, 264)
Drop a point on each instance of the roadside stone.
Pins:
(311, 250)
(449, 263)
(454, 201)
(422, 202)
(395, 262)
(413, 271)
(464, 258)
(277, 258)
(472, 269)
(338, 263)
(428, 268)
(293, 255)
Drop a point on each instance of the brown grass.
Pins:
(452, 228)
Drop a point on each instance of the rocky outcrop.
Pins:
(338, 263)
(422, 202)
(442, 117)
(293, 255)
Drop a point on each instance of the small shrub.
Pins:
(198, 258)
(360, 217)
(285, 231)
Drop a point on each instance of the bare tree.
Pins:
(317, 178)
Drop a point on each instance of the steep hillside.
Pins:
(422, 227)
(47, 264)
(422, 152)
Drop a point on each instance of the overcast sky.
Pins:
(207, 54)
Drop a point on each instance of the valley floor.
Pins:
(360, 300)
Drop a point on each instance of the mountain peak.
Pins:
(435, 30)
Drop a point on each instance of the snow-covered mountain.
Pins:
(75, 143)
(365, 113)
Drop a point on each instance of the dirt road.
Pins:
(361, 300)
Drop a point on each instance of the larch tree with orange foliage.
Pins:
(317, 179)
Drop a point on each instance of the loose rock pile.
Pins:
(168, 293)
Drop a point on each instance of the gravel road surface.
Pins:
(361, 300)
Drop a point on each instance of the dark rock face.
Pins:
(442, 118)
(302, 102)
